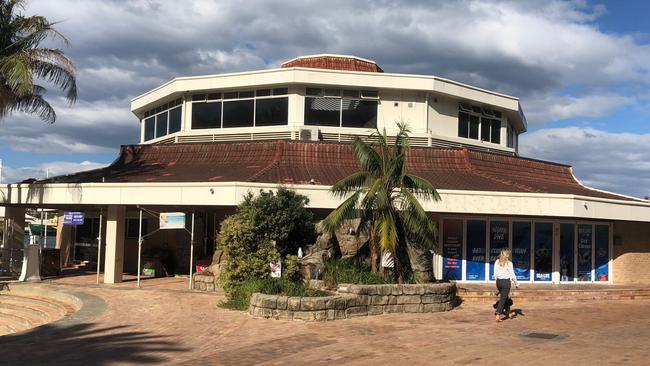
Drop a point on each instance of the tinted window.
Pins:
(473, 127)
(463, 124)
(280, 91)
(175, 120)
(496, 131)
(238, 113)
(133, 228)
(161, 124)
(485, 130)
(359, 113)
(197, 97)
(270, 112)
(149, 128)
(322, 111)
(206, 115)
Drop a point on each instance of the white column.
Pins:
(114, 262)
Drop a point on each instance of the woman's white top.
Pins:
(504, 273)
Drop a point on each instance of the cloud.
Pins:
(618, 162)
(51, 169)
(550, 107)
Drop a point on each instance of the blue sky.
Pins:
(581, 69)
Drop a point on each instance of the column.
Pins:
(114, 262)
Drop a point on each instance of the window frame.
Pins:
(340, 94)
(155, 112)
(486, 119)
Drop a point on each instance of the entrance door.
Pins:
(521, 240)
(601, 251)
(543, 251)
(567, 252)
(499, 237)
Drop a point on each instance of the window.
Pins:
(163, 120)
(241, 109)
(161, 124)
(175, 120)
(238, 113)
(133, 228)
(149, 128)
(88, 231)
(325, 107)
(479, 123)
(272, 112)
(206, 115)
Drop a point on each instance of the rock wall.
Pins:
(205, 282)
(357, 300)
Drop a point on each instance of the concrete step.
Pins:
(7, 329)
(15, 319)
(52, 307)
(557, 295)
(31, 312)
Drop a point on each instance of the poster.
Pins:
(543, 252)
(73, 218)
(452, 244)
(276, 269)
(475, 250)
(172, 220)
(521, 232)
(602, 253)
(499, 237)
(584, 252)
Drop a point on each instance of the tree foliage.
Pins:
(281, 217)
(23, 61)
(386, 199)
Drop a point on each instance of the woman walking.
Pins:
(504, 274)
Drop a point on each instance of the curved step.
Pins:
(48, 305)
(6, 317)
(7, 329)
(29, 311)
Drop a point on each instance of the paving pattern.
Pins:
(162, 323)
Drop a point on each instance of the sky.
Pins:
(580, 68)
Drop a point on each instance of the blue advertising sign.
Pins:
(498, 240)
(452, 245)
(475, 250)
(584, 252)
(602, 253)
(521, 232)
(73, 218)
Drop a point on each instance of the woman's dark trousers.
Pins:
(504, 290)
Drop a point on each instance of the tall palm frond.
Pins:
(386, 199)
(22, 61)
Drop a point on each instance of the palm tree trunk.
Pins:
(373, 251)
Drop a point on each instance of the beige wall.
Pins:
(631, 260)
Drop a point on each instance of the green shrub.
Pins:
(338, 271)
(248, 256)
(290, 269)
(240, 297)
(282, 217)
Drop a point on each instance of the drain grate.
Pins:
(538, 335)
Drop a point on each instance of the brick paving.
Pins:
(164, 324)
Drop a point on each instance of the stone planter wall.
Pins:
(357, 300)
(205, 282)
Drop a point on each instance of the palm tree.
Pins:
(22, 61)
(385, 199)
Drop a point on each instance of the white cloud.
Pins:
(51, 169)
(557, 107)
(618, 162)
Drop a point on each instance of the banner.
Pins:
(73, 218)
(172, 220)
(584, 252)
(452, 245)
(602, 253)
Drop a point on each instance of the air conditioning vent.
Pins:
(309, 134)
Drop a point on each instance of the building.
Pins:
(208, 140)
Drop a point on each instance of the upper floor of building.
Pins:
(330, 98)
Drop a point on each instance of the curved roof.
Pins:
(301, 162)
(334, 62)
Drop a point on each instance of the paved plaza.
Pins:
(163, 323)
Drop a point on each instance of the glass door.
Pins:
(585, 245)
(521, 240)
(567, 252)
(499, 236)
(601, 260)
(475, 254)
(543, 252)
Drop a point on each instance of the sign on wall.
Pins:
(172, 220)
(73, 218)
(452, 245)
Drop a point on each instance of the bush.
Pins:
(338, 271)
(241, 296)
(281, 217)
(291, 269)
(248, 256)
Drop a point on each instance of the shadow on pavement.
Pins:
(82, 344)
